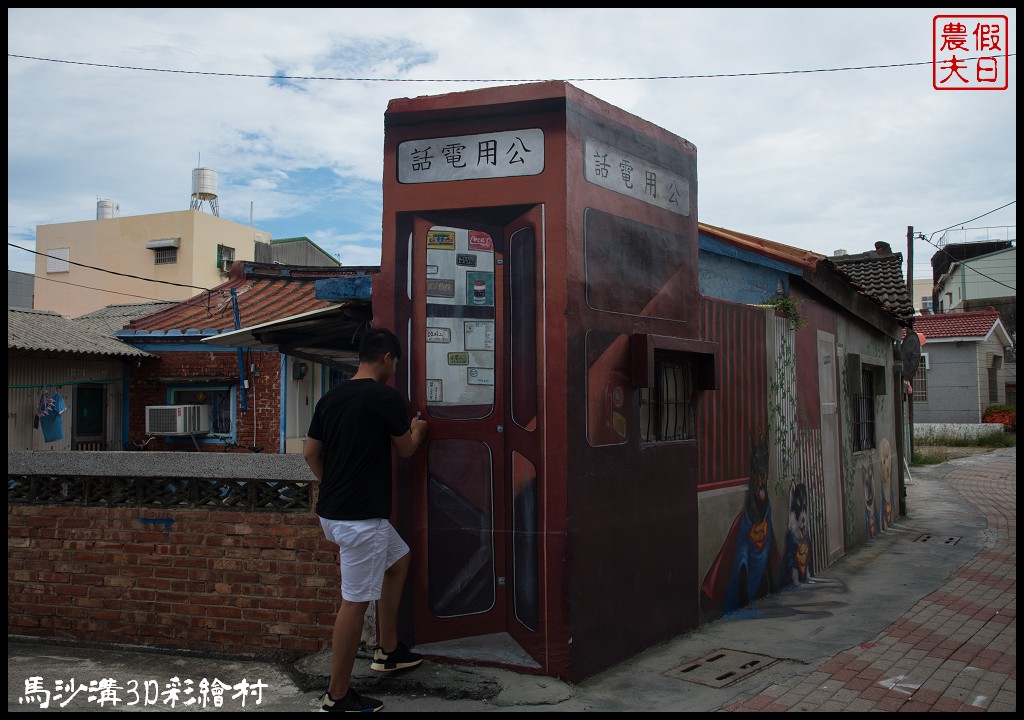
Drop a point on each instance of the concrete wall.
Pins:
(953, 392)
(120, 244)
(929, 433)
(870, 480)
(20, 289)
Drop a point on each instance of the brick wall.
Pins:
(257, 583)
(173, 367)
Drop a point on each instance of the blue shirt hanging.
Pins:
(50, 412)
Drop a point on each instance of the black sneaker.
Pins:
(401, 658)
(352, 702)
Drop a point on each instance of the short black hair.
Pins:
(376, 342)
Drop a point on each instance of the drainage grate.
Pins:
(720, 668)
(938, 539)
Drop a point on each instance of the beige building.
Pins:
(187, 251)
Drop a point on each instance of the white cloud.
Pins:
(817, 160)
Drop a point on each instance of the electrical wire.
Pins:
(928, 239)
(484, 80)
(112, 272)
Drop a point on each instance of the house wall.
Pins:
(735, 489)
(29, 375)
(719, 278)
(991, 352)
(870, 480)
(120, 244)
(953, 391)
(987, 276)
(20, 289)
(259, 425)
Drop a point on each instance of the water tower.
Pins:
(106, 209)
(204, 189)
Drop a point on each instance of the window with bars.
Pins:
(165, 256)
(864, 412)
(666, 410)
(920, 384)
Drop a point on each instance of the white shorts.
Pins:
(366, 548)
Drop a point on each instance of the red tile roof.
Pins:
(265, 292)
(978, 323)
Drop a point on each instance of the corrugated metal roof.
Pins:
(978, 323)
(112, 318)
(46, 331)
(879, 275)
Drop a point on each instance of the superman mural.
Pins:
(747, 566)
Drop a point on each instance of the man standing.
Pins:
(348, 448)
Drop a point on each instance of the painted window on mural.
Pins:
(460, 340)
(609, 394)
(666, 410)
(635, 269)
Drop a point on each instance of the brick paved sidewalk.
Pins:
(955, 650)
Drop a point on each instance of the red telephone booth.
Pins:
(540, 263)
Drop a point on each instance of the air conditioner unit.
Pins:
(177, 419)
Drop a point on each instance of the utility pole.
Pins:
(910, 398)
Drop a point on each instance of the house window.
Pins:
(666, 410)
(218, 397)
(225, 256)
(920, 383)
(926, 304)
(993, 380)
(57, 260)
(864, 412)
(165, 256)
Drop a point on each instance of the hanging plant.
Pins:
(789, 307)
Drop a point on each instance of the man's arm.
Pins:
(313, 453)
(407, 444)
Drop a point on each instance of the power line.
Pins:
(928, 239)
(112, 292)
(482, 80)
(112, 272)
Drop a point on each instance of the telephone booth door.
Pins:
(475, 360)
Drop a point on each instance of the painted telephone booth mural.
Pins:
(475, 332)
(543, 246)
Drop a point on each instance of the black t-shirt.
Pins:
(355, 421)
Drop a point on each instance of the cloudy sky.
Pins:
(819, 129)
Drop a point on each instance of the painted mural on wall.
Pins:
(748, 564)
(888, 487)
(796, 560)
(787, 442)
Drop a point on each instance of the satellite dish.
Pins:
(910, 350)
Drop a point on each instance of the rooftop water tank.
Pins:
(107, 209)
(204, 189)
